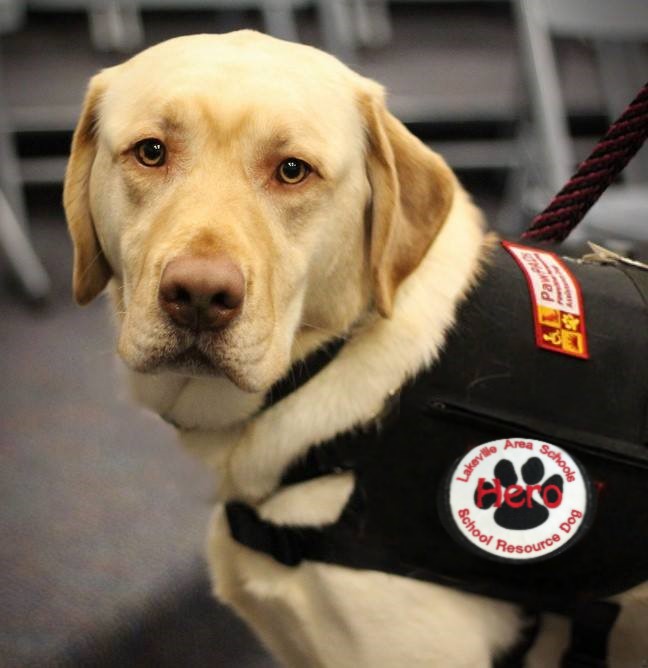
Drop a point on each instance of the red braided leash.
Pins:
(613, 152)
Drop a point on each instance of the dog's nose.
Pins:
(202, 293)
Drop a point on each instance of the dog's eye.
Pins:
(150, 152)
(293, 170)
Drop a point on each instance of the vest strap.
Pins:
(301, 372)
(591, 626)
(284, 544)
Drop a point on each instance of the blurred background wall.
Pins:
(102, 517)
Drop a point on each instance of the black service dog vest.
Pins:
(493, 385)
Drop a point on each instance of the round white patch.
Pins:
(517, 499)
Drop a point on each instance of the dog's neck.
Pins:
(251, 449)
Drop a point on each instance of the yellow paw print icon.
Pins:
(570, 322)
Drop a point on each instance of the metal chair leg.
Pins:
(115, 25)
(372, 21)
(20, 254)
(279, 19)
(338, 29)
(14, 239)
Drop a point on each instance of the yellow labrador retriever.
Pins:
(246, 199)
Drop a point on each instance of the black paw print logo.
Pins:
(517, 505)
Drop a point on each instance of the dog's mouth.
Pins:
(186, 358)
(192, 362)
(225, 354)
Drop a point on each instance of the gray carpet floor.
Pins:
(102, 516)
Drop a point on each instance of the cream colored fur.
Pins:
(380, 246)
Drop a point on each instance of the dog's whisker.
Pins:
(326, 331)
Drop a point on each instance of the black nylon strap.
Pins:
(300, 373)
(591, 626)
(287, 545)
(248, 529)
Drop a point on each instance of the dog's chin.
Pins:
(195, 363)
(191, 362)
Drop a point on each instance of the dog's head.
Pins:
(247, 198)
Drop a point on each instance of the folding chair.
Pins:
(116, 25)
(14, 237)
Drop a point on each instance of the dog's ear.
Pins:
(412, 191)
(91, 269)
